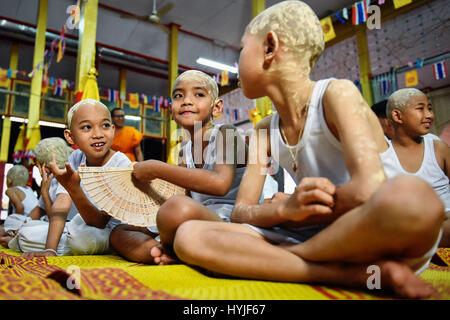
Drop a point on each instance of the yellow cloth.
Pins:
(126, 140)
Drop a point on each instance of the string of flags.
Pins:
(357, 14)
(135, 99)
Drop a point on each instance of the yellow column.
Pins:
(14, 59)
(36, 82)
(86, 41)
(6, 129)
(364, 63)
(263, 105)
(171, 145)
(123, 84)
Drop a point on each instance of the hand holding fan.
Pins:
(116, 192)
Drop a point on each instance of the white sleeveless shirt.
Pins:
(221, 205)
(29, 202)
(428, 171)
(320, 153)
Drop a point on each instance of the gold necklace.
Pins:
(294, 155)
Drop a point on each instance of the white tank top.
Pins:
(210, 160)
(320, 153)
(428, 171)
(29, 202)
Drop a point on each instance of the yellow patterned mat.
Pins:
(110, 277)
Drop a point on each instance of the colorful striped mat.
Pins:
(110, 277)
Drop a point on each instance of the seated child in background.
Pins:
(23, 200)
(415, 153)
(34, 238)
(212, 180)
(91, 129)
(343, 216)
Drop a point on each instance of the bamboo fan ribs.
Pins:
(116, 192)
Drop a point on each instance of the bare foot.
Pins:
(404, 282)
(161, 257)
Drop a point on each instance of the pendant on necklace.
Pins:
(294, 166)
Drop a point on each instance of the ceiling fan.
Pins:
(155, 17)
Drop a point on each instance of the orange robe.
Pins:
(126, 140)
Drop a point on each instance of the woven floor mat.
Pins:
(110, 277)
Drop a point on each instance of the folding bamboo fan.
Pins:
(113, 190)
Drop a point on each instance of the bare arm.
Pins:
(312, 196)
(138, 153)
(57, 219)
(14, 197)
(45, 187)
(356, 127)
(36, 213)
(216, 182)
(70, 180)
(442, 151)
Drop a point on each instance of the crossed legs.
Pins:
(139, 244)
(401, 220)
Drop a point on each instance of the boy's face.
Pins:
(92, 131)
(250, 63)
(191, 102)
(418, 116)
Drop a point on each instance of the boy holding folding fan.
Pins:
(91, 129)
(211, 167)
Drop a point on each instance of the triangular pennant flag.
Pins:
(328, 30)
(411, 78)
(440, 70)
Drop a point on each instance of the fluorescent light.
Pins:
(15, 119)
(41, 123)
(52, 124)
(133, 118)
(216, 65)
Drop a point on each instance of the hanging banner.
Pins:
(3, 78)
(401, 3)
(224, 81)
(411, 78)
(328, 30)
(440, 70)
(134, 100)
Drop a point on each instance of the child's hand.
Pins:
(312, 196)
(66, 177)
(144, 171)
(46, 179)
(38, 254)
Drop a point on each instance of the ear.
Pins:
(68, 136)
(217, 109)
(397, 116)
(271, 45)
